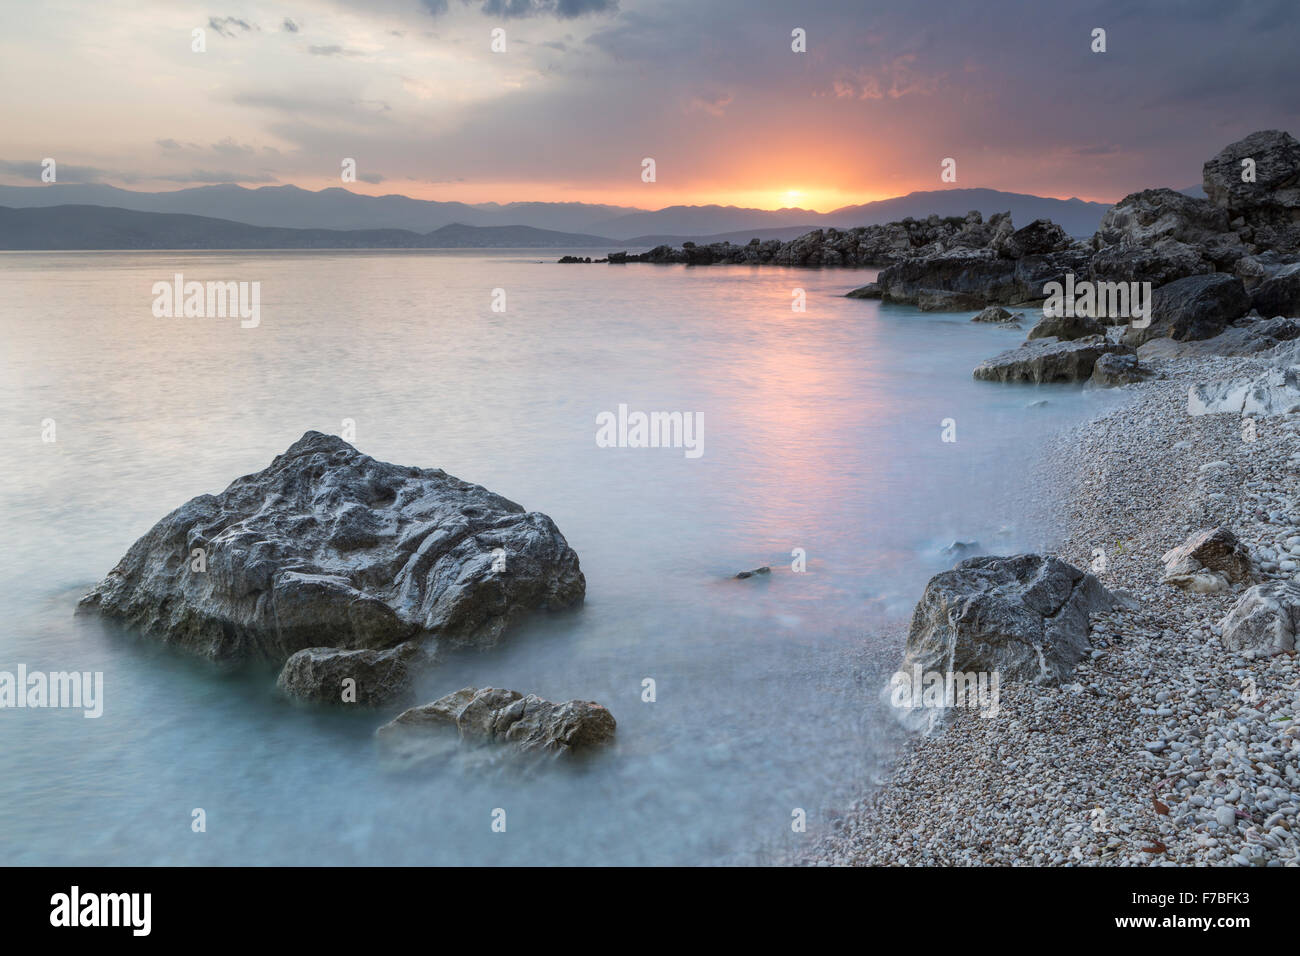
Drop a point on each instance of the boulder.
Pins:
(1067, 328)
(1025, 617)
(1208, 561)
(1247, 336)
(1279, 293)
(995, 313)
(1147, 217)
(1274, 392)
(1265, 619)
(1197, 307)
(1273, 199)
(317, 674)
(493, 715)
(1048, 360)
(741, 575)
(1113, 369)
(869, 291)
(1038, 238)
(328, 547)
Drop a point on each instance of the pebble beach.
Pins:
(1163, 747)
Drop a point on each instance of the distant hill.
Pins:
(293, 208)
(101, 227)
(1075, 216)
(288, 207)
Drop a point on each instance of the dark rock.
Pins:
(1279, 294)
(1067, 328)
(1038, 238)
(1114, 369)
(749, 574)
(1244, 337)
(1025, 617)
(1208, 561)
(869, 291)
(1273, 199)
(1048, 360)
(1196, 307)
(317, 674)
(328, 547)
(492, 715)
(995, 313)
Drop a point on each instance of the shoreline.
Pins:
(1133, 758)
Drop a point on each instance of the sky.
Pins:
(585, 90)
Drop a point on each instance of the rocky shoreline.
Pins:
(1163, 746)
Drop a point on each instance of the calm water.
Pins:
(821, 432)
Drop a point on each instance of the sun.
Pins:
(791, 197)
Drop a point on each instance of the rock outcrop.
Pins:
(1048, 360)
(1195, 307)
(1265, 619)
(492, 715)
(329, 547)
(1025, 617)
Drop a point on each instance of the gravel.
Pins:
(1163, 748)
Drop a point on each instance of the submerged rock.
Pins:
(331, 675)
(493, 715)
(1025, 617)
(995, 313)
(1048, 360)
(1265, 619)
(328, 546)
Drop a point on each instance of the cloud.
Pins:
(223, 176)
(332, 50)
(715, 104)
(561, 9)
(228, 147)
(226, 26)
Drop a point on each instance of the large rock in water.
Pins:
(493, 715)
(327, 546)
(1025, 617)
(1048, 360)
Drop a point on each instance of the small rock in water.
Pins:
(749, 574)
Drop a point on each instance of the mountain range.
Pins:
(336, 209)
